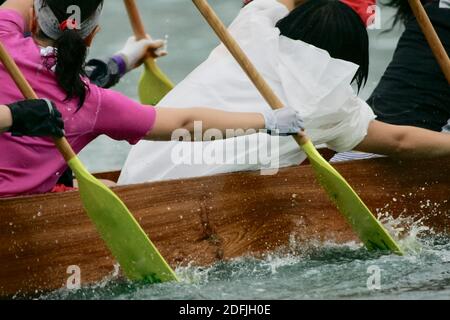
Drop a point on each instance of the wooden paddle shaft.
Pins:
(61, 143)
(138, 27)
(135, 19)
(240, 56)
(431, 36)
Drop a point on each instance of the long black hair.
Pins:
(332, 26)
(404, 12)
(71, 50)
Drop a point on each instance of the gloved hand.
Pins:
(135, 52)
(36, 118)
(284, 121)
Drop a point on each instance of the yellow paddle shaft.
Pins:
(240, 56)
(61, 143)
(431, 36)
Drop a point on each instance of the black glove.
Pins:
(36, 118)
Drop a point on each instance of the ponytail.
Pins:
(57, 23)
(71, 52)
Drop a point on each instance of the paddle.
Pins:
(370, 230)
(431, 36)
(154, 84)
(138, 257)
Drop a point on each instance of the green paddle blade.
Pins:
(136, 254)
(369, 229)
(154, 84)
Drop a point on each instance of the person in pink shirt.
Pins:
(52, 60)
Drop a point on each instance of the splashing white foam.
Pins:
(407, 231)
(190, 274)
(114, 275)
(273, 262)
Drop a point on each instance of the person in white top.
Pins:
(310, 56)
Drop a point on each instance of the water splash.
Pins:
(191, 274)
(408, 231)
(303, 271)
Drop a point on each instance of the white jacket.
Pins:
(303, 76)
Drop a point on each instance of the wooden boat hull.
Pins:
(208, 219)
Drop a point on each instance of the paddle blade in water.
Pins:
(154, 84)
(138, 257)
(363, 222)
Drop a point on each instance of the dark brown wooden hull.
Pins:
(205, 220)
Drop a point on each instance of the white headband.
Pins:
(51, 26)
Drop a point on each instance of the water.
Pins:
(320, 272)
(307, 271)
(311, 271)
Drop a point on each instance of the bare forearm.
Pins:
(202, 119)
(405, 142)
(222, 120)
(5, 118)
(421, 143)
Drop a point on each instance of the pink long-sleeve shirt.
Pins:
(33, 165)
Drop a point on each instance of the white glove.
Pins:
(134, 52)
(284, 121)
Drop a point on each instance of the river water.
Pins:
(319, 271)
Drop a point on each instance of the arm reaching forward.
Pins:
(404, 142)
(168, 120)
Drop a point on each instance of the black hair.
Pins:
(404, 12)
(332, 26)
(71, 50)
